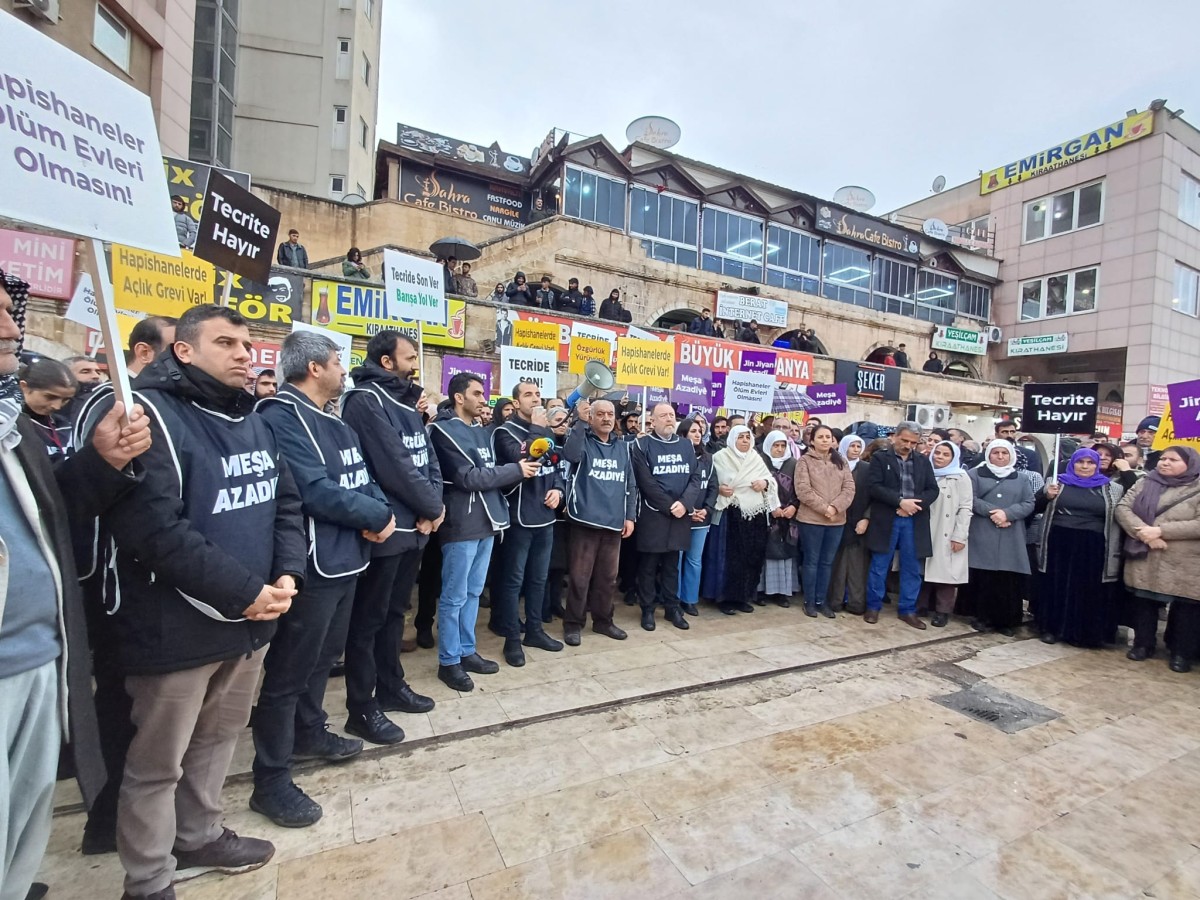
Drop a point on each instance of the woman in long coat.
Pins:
(999, 563)
(745, 499)
(1161, 517)
(692, 428)
(848, 584)
(1079, 555)
(950, 526)
(778, 581)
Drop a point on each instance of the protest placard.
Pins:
(1060, 407)
(414, 288)
(528, 364)
(237, 230)
(642, 363)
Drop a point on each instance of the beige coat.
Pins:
(820, 484)
(950, 520)
(1176, 570)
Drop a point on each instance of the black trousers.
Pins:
(1183, 625)
(658, 580)
(113, 706)
(377, 628)
(310, 638)
(429, 587)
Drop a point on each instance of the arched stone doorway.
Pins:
(961, 369)
(819, 346)
(676, 319)
(878, 353)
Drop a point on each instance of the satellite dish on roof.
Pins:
(657, 131)
(855, 197)
(939, 184)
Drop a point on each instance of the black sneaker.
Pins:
(375, 727)
(513, 654)
(37, 891)
(288, 808)
(228, 854)
(455, 678)
(690, 608)
(406, 700)
(477, 664)
(675, 617)
(648, 619)
(571, 636)
(425, 638)
(539, 640)
(329, 747)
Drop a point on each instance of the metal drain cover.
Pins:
(1004, 711)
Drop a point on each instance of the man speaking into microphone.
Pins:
(529, 541)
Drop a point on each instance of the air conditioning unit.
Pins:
(928, 415)
(994, 334)
(47, 9)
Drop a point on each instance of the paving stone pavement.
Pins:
(766, 754)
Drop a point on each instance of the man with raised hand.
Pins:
(344, 510)
(209, 552)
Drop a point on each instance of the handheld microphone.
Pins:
(543, 450)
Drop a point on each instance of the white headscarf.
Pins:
(1000, 471)
(844, 448)
(773, 438)
(731, 441)
(955, 466)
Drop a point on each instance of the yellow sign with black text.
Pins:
(642, 363)
(1165, 436)
(535, 335)
(1083, 147)
(586, 349)
(160, 285)
(363, 309)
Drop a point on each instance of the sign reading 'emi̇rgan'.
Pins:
(1060, 408)
(237, 231)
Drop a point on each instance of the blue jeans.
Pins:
(524, 563)
(910, 569)
(819, 545)
(689, 567)
(464, 571)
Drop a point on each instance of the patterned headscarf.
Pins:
(11, 399)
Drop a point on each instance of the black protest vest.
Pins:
(334, 549)
(671, 464)
(527, 500)
(228, 468)
(474, 444)
(598, 491)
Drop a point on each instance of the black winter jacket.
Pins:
(382, 410)
(666, 472)
(527, 500)
(475, 505)
(216, 517)
(883, 482)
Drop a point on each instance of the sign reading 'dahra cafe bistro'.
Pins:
(1060, 408)
(865, 230)
(462, 196)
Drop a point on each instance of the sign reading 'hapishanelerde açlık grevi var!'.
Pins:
(79, 148)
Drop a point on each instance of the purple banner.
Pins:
(761, 361)
(691, 385)
(452, 365)
(1185, 408)
(831, 398)
(716, 390)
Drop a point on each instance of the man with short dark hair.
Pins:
(701, 325)
(587, 306)
(546, 295)
(668, 480)
(198, 599)
(718, 433)
(903, 488)
(749, 334)
(475, 514)
(148, 338)
(343, 510)
(186, 228)
(386, 408)
(292, 252)
(901, 357)
(529, 540)
(266, 384)
(464, 284)
(570, 302)
(1146, 431)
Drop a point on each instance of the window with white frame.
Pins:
(337, 185)
(894, 284)
(1189, 199)
(1080, 207)
(733, 244)
(668, 221)
(793, 259)
(366, 70)
(111, 37)
(937, 297)
(341, 69)
(368, 9)
(1187, 290)
(364, 132)
(1064, 294)
(847, 274)
(341, 127)
(974, 300)
(595, 197)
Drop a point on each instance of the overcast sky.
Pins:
(807, 95)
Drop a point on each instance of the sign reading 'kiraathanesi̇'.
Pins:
(79, 148)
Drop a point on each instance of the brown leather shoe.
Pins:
(871, 616)
(912, 620)
(408, 645)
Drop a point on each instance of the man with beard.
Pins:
(199, 599)
(475, 514)
(266, 384)
(668, 481)
(530, 538)
(343, 511)
(386, 407)
(88, 377)
(718, 433)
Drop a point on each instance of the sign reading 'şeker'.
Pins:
(1060, 408)
(237, 231)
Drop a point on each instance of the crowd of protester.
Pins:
(358, 498)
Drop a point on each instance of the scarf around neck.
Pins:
(1095, 480)
(844, 448)
(739, 471)
(999, 471)
(955, 466)
(1145, 505)
(774, 438)
(11, 398)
